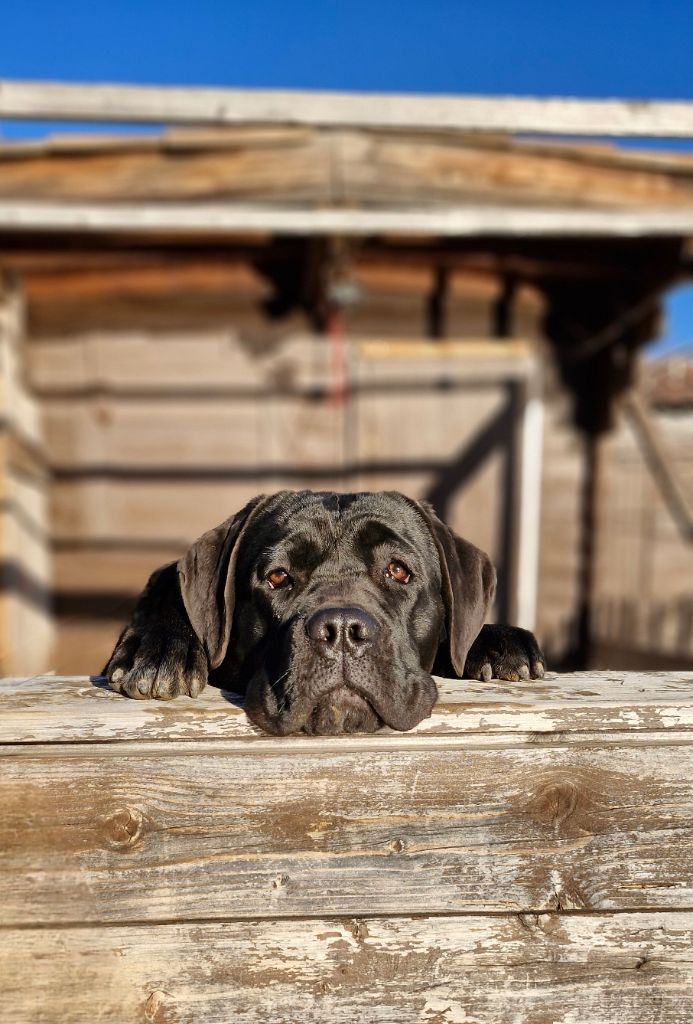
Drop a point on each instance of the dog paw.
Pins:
(505, 652)
(157, 663)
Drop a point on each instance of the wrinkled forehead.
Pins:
(309, 527)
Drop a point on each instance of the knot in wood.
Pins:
(155, 1008)
(123, 828)
(553, 804)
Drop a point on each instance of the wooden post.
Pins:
(589, 502)
(531, 455)
(26, 632)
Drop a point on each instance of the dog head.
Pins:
(330, 611)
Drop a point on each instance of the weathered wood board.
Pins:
(263, 107)
(505, 969)
(328, 166)
(524, 855)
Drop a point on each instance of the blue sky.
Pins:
(589, 49)
(585, 49)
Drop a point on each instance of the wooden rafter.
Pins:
(456, 221)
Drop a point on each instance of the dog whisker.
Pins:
(276, 682)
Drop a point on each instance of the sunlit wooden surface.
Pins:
(526, 854)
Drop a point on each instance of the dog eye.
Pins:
(278, 578)
(398, 572)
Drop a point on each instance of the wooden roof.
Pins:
(374, 180)
(343, 167)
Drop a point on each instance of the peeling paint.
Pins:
(441, 1010)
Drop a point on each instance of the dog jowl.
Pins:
(330, 612)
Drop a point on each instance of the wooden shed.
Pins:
(357, 300)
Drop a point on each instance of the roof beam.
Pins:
(166, 105)
(215, 219)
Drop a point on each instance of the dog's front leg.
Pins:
(158, 653)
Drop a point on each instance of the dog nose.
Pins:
(337, 630)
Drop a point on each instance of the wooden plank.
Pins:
(85, 638)
(216, 364)
(566, 708)
(147, 104)
(108, 568)
(134, 832)
(348, 168)
(138, 433)
(393, 359)
(396, 168)
(491, 869)
(170, 509)
(470, 220)
(282, 173)
(183, 364)
(511, 969)
(183, 310)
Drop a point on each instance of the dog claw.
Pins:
(504, 652)
(195, 685)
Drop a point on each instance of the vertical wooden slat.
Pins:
(26, 634)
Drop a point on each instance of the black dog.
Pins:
(329, 611)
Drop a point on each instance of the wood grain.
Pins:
(510, 969)
(570, 708)
(524, 857)
(145, 831)
(367, 169)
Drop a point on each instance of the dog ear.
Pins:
(206, 577)
(469, 586)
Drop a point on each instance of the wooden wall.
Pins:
(643, 584)
(169, 398)
(164, 417)
(644, 597)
